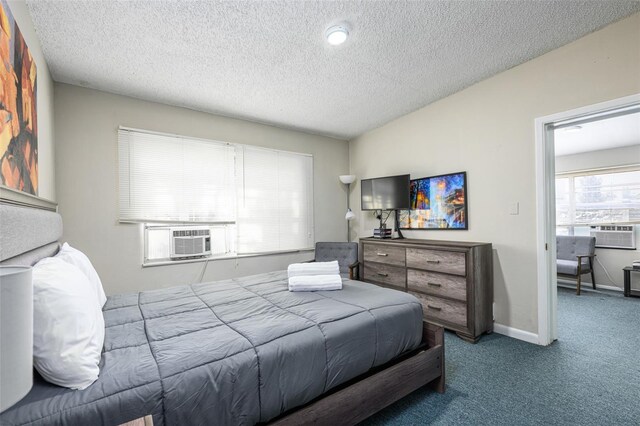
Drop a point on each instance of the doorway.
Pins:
(545, 131)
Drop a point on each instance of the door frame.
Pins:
(545, 207)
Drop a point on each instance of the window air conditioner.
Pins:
(614, 236)
(187, 242)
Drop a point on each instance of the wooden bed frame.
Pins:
(347, 404)
(364, 396)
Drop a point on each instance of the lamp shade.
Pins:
(16, 334)
(347, 179)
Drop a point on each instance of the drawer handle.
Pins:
(435, 284)
(435, 308)
(383, 275)
(382, 254)
(433, 261)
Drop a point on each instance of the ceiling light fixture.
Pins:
(337, 34)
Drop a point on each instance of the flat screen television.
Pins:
(437, 202)
(385, 193)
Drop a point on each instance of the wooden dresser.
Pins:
(452, 279)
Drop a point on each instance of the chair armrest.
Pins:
(353, 267)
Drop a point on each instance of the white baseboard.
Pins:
(588, 285)
(516, 333)
(609, 287)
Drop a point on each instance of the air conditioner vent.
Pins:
(190, 232)
(190, 242)
(614, 236)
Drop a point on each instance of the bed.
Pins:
(239, 351)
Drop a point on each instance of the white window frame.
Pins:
(590, 172)
(145, 225)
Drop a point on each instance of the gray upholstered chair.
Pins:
(345, 253)
(575, 257)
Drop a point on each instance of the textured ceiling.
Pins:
(597, 135)
(268, 61)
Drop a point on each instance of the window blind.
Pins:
(275, 200)
(166, 178)
(602, 197)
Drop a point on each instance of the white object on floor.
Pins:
(82, 262)
(68, 326)
(315, 283)
(313, 268)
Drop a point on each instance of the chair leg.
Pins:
(593, 277)
(578, 284)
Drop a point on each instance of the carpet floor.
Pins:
(590, 376)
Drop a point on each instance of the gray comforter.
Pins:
(239, 351)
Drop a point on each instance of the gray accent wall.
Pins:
(488, 131)
(87, 184)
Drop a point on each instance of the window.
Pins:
(254, 200)
(563, 203)
(275, 212)
(166, 178)
(597, 197)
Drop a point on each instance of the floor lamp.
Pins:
(348, 180)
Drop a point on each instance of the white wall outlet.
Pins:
(514, 208)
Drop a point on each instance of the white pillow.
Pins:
(79, 259)
(68, 326)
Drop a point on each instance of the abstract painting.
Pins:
(437, 202)
(18, 110)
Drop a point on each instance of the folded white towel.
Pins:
(313, 268)
(315, 283)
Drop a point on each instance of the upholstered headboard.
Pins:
(28, 234)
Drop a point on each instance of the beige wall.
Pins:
(611, 260)
(45, 102)
(87, 182)
(488, 130)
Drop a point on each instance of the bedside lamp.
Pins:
(348, 180)
(16, 334)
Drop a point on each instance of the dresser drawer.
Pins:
(450, 262)
(438, 309)
(452, 279)
(437, 284)
(384, 254)
(393, 276)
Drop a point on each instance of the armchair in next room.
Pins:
(575, 256)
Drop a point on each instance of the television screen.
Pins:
(437, 202)
(386, 193)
